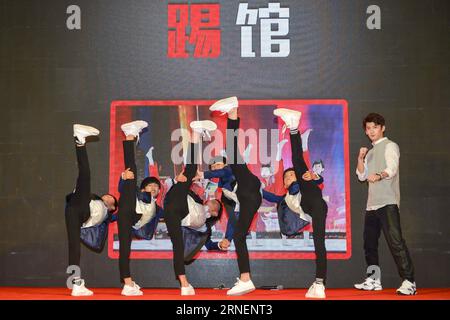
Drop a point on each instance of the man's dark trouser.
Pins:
(387, 219)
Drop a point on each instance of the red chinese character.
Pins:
(204, 19)
(176, 46)
(204, 35)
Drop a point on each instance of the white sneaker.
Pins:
(133, 128)
(369, 284)
(316, 291)
(81, 132)
(80, 290)
(241, 287)
(225, 105)
(204, 127)
(290, 117)
(133, 290)
(188, 291)
(407, 288)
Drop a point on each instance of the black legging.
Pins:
(312, 203)
(77, 207)
(248, 194)
(229, 206)
(127, 215)
(176, 208)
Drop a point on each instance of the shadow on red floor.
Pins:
(27, 293)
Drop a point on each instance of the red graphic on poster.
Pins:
(324, 128)
(203, 20)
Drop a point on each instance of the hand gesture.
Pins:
(362, 153)
(373, 178)
(224, 244)
(308, 176)
(198, 176)
(127, 174)
(181, 177)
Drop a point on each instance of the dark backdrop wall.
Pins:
(51, 77)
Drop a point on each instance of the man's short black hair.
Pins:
(376, 118)
(149, 180)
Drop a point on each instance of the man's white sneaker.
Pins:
(133, 290)
(204, 127)
(290, 117)
(79, 290)
(133, 128)
(316, 291)
(407, 288)
(225, 105)
(369, 284)
(188, 291)
(241, 287)
(81, 132)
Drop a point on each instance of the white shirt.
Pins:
(392, 156)
(99, 212)
(147, 210)
(232, 196)
(293, 202)
(196, 216)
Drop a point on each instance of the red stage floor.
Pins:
(26, 293)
